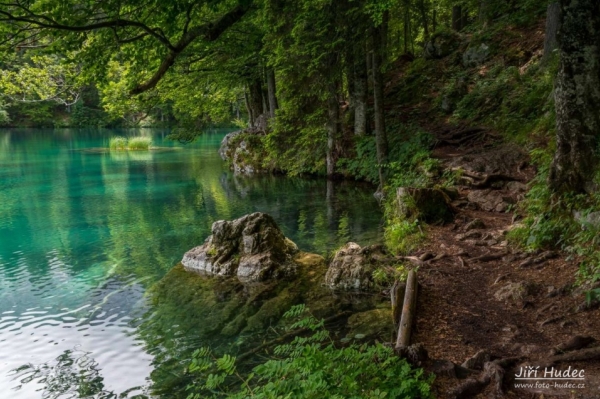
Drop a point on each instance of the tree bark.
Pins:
(271, 88)
(360, 94)
(423, 11)
(484, 17)
(577, 97)
(255, 101)
(406, 26)
(333, 108)
(408, 311)
(552, 23)
(385, 27)
(379, 111)
(456, 18)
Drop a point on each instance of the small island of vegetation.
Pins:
(131, 144)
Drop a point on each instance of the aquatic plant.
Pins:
(139, 143)
(117, 143)
(310, 366)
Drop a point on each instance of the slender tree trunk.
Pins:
(456, 18)
(333, 108)
(577, 97)
(434, 21)
(552, 23)
(484, 17)
(251, 116)
(385, 27)
(380, 133)
(406, 27)
(360, 93)
(255, 101)
(271, 88)
(423, 11)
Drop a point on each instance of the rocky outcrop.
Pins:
(352, 267)
(253, 248)
(427, 204)
(226, 145)
(476, 55)
(244, 150)
(441, 44)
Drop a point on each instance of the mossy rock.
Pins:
(442, 44)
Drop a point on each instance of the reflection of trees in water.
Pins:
(73, 374)
(319, 215)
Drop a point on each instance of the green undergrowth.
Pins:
(312, 365)
(567, 223)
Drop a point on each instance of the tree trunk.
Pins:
(248, 108)
(360, 95)
(423, 11)
(577, 97)
(456, 18)
(271, 88)
(406, 27)
(385, 27)
(380, 133)
(333, 108)
(552, 23)
(255, 101)
(484, 17)
(434, 21)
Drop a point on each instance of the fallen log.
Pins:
(408, 312)
(396, 295)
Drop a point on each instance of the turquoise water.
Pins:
(84, 233)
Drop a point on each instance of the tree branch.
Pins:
(209, 32)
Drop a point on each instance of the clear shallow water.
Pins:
(84, 234)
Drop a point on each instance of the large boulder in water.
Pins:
(253, 248)
(352, 267)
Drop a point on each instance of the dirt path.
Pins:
(487, 295)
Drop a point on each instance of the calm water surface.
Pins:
(85, 233)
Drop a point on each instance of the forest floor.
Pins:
(477, 292)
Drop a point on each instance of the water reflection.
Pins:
(84, 234)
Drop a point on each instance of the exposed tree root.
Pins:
(574, 356)
(488, 257)
(484, 180)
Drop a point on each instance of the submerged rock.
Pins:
(253, 248)
(352, 267)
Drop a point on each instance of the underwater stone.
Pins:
(253, 248)
(352, 267)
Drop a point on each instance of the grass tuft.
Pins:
(139, 143)
(118, 143)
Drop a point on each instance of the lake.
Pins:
(85, 232)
